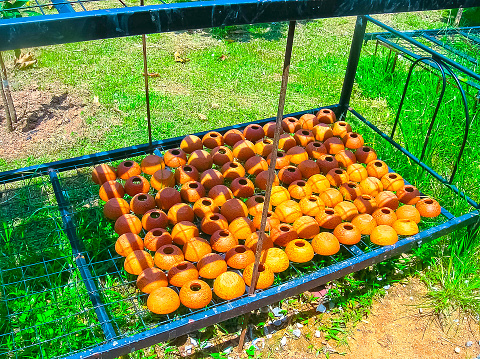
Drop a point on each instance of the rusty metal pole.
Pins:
(271, 170)
(147, 94)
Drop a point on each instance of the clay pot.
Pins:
(239, 257)
(154, 218)
(297, 155)
(220, 194)
(175, 158)
(127, 169)
(157, 238)
(151, 164)
(241, 227)
(269, 129)
(212, 139)
(365, 204)
(365, 154)
(213, 222)
(255, 205)
(341, 128)
(265, 276)
(243, 150)
(303, 137)
(428, 207)
(163, 301)
(315, 149)
(322, 132)
(405, 227)
(135, 185)
(288, 211)
(204, 206)
(326, 163)
(234, 208)
(289, 174)
(252, 241)
(181, 273)
(356, 172)
(221, 155)
(111, 189)
(127, 243)
(291, 124)
(195, 248)
(276, 259)
(186, 174)
(308, 168)
(253, 133)
(264, 147)
(262, 178)
(333, 145)
(353, 140)
(103, 173)
(283, 160)
(137, 261)
(256, 164)
(229, 285)
(371, 186)
(201, 160)
(350, 191)
(183, 231)
(211, 178)
(141, 203)
(377, 169)
(392, 181)
(231, 137)
(311, 205)
(337, 177)
(308, 121)
(283, 234)
(232, 170)
(167, 256)
(384, 215)
(408, 194)
(346, 210)
(211, 266)
(192, 191)
(299, 189)
(326, 115)
(223, 240)
(325, 244)
(328, 218)
(162, 178)
(331, 197)
(167, 197)
(272, 221)
(387, 199)
(180, 212)
(191, 143)
(195, 294)
(383, 235)
(347, 233)
(299, 251)
(306, 227)
(151, 279)
(408, 212)
(286, 142)
(345, 158)
(318, 183)
(278, 195)
(116, 207)
(365, 223)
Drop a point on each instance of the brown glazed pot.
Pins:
(180, 212)
(283, 160)
(256, 164)
(308, 168)
(269, 129)
(154, 218)
(185, 174)
(201, 160)
(365, 223)
(383, 235)
(306, 227)
(326, 116)
(350, 191)
(211, 178)
(283, 234)
(252, 241)
(167, 256)
(286, 142)
(220, 194)
(213, 222)
(290, 124)
(353, 140)
(231, 137)
(272, 221)
(127, 243)
(328, 218)
(127, 169)
(384, 215)
(288, 211)
(254, 133)
(156, 238)
(261, 180)
(377, 169)
(326, 162)
(103, 173)
(357, 172)
(195, 294)
(183, 231)
(408, 194)
(333, 145)
(347, 233)
(242, 187)
(115, 207)
(331, 197)
(151, 279)
(195, 248)
(264, 147)
(211, 266)
(308, 121)
(239, 257)
(278, 195)
(346, 210)
(137, 261)
(371, 186)
(255, 205)
(365, 204)
(204, 206)
(405, 227)
(232, 170)
(289, 174)
(241, 227)
(387, 199)
(151, 164)
(337, 177)
(299, 251)
(365, 154)
(276, 259)
(322, 132)
(221, 155)
(223, 240)
(243, 150)
(229, 285)
(325, 244)
(175, 157)
(315, 149)
(265, 276)
(319, 183)
(341, 128)
(345, 158)
(311, 205)
(212, 139)
(303, 137)
(192, 191)
(428, 207)
(191, 143)
(135, 185)
(233, 208)
(162, 178)
(297, 155)
(181, 273)
(141, 203)
(299, 189)
(392, 182)
(112, 189)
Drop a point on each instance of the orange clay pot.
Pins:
(327, 162)
(272, 221)
(283, 234)
(191, 143)
(128, 223)
(252, 241)
(328, 218)
(141, 203)
(331, 197)
(223, 240)
(303, 137)
(306, 227)
(211, 178)
(371, 186)
(195, 294)
(356, 172)
(243, 150)
(103, 173)
(167, 256)
(345, 158)
(365, 204)
(365, 223)
(135, 185)
(315, 149)
(255, 205)
(232, 170)
(253, 133)
(220, 194)
(212, 139)
(288, 211)
(213, 222)
(289, 174)
(180, 212)
(137, 261)
(127, 243)
(156, 238)
(167, 197)
(428, 207)
(242, 187)
(299, 251)
(276, 259)
(192, 191)
(261, 180)
(347, 233)
(151, 279)
(337, 176)
(346, 210)
(283, 160)
(326, 115)
(405, 227)
(264, 147)
(333, 145)
(325, 244)
(291, 124)
(297, 155)
(181, 273)
(286, 142)
(163, 301)
(408, 194)
(196, 248)
(265, 276)
(392, 182)
(311, 205)
(308, 121)
(239, 257)
(229, 285)
(241, 227)
(151, 164)
(162, 178)
(384, 215)
(278, 195)
(201, 160)
(221, 155)
(154, 218)
(183, 231)
(175, 158)
(204, 206)
(299, 189)
(365, 154)
(318, 183)
(211, 266)
(353, 140)
(408, 212)
(186, 174)
(350, 190)
(387, 199)
(234, 208)
(231, 137)
(377, 169)
(308, 168)
(111, 189)
(127, 169)
(383, 235)
(322, 132)
(341, 128)
(269, 129)
(116, 207)
(255, 164)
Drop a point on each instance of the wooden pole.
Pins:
(10, 112)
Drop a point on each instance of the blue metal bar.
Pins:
(450, 48)
(416, 33)
(62, 6)
(471, 37)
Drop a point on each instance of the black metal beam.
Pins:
(416, 33)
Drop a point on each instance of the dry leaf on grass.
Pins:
(222, 58)
(179, 58)
(202, 117)
(152, 74)
(25, 60)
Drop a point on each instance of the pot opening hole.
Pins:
(409, 189)
(292, 120)
(259, 200)
(267, 141)
(305, 133)
(428, 201)
(175, 152)
(193, 185)
(312, 199)
(353, 135)
(213, 135)
(222, 151)
(325, 111)
(366, 197)
(338, 172)
(159, 233)
(301, 183)
(378, 164)
(195, 287)
(299, 244)
(284, 228)
(142, 197)
(223, 233)
(187, 169)
(214, 217)
(169, 250)
(261, 267)
(352, 185)
(136, 180)
(366, 149)
(233, 165)
(240, 249)
(182, 266)
(385, 210)
(280, 154)
(269, 214)
(128, 164)
(255, 127)
(342, 123)
(316, 144)
(392, 176)
(207, 202)
(243, 182)
(155, 215)
(348, 227)
(329, 159)
(291, 169)
(329, 211)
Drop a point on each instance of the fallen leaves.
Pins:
(152, 74)
(25, 61)
(179, 58)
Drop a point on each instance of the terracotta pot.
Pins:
(239, 257)
(241, 227)
(135, 185)
(220, 194)
(151, 279)
(278, 195)
(253, 133)
(163, 301)
(243, 150)
(331, 197)
(112, 189)
(288, 211)
(286, 142)
(204, 206)
(212, 139)
(103, 173)
(154, 218)
(353, 140)
(383, 235)
(337, 176)
(116, 207)
(211, 266)
(408, 212)
(303, 137)
(221, 155)
(365, 223)
(325, 244)
(328, 218)
(183, 231)
(180, 212)
(137, 261)
(232, 170)
(201, 160)
(408, 194)
(234, 208)
(345, 158)
(318, 183)
(326, 115)
(272, 221)
(162, 178)
(308, 168)
(357, 172)
(186, 174)
(151, 164)
(290, 124)
(341, 128)
(229, 285)
(365, 154)
(167, 256)
(264, 147)
(299, 251)
(346, 210)
(297, 155)
(276, 259)
(265, 276)
(181, 273)
(308, 121)
(269, 129)
(315, 150)
(283, 234)
(223, 240)
(371, 186)
(384, 215)
(347, 233)
(141, 203)
(211, 178)
(167, 197)
(175, 158)
(255, 164)
(289, 174)
(127, 169)
(157, 238)
(255, 205)
(299, 189)
(213, 222)
(191, 143)
(387, 199)
(350, 191)
(306, 227)
(127, 243)
(195, 294)
(377, 168)
(231, 137)
(327, 162)
(365, 204)
(261, 180)
(192, 191)
(252, 241)
(322, 132)
(392, 182)
(196, 248)
(283, 160)
(428, 207)
(405, 227)
(311, 205)
(333, 145)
